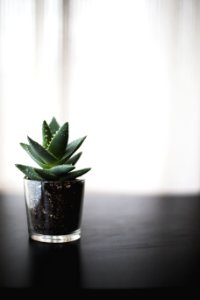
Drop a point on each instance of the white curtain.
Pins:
(32, 73)
(124, 72)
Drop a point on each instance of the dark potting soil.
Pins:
(58, 209)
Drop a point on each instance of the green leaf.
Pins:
(33, 155)
(43, 154)
(61, 170)
(46, 134)
(54, 126)
(74, 174)
(29, 172)
(45, 174)
(73, 160)
(71, 148)
(59, 142)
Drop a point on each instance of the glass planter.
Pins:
(54, 210)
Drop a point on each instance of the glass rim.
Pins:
(54, 181)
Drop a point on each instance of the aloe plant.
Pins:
(56, 157)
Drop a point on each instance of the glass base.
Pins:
(75, 235)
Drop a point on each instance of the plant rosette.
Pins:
(53, 193)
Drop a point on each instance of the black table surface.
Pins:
(127, 242)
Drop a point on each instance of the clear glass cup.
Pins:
(54, 209)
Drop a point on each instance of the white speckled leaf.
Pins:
(59, 142)
(61, 170)
(71, 148)
(73, 160)
(46, 134)
(40, 151)
(33, 155)
(45, 174)
(74, 174)
(29, 172)
(54, 126)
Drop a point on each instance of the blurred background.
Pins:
(126, 73)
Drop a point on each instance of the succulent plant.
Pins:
(55, 156)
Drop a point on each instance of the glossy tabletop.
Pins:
(127, 242)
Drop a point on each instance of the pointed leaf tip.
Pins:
(73, 160)
(54, 126)
(33, 155)
(75, 174)
(72, 148)
(29, 172)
